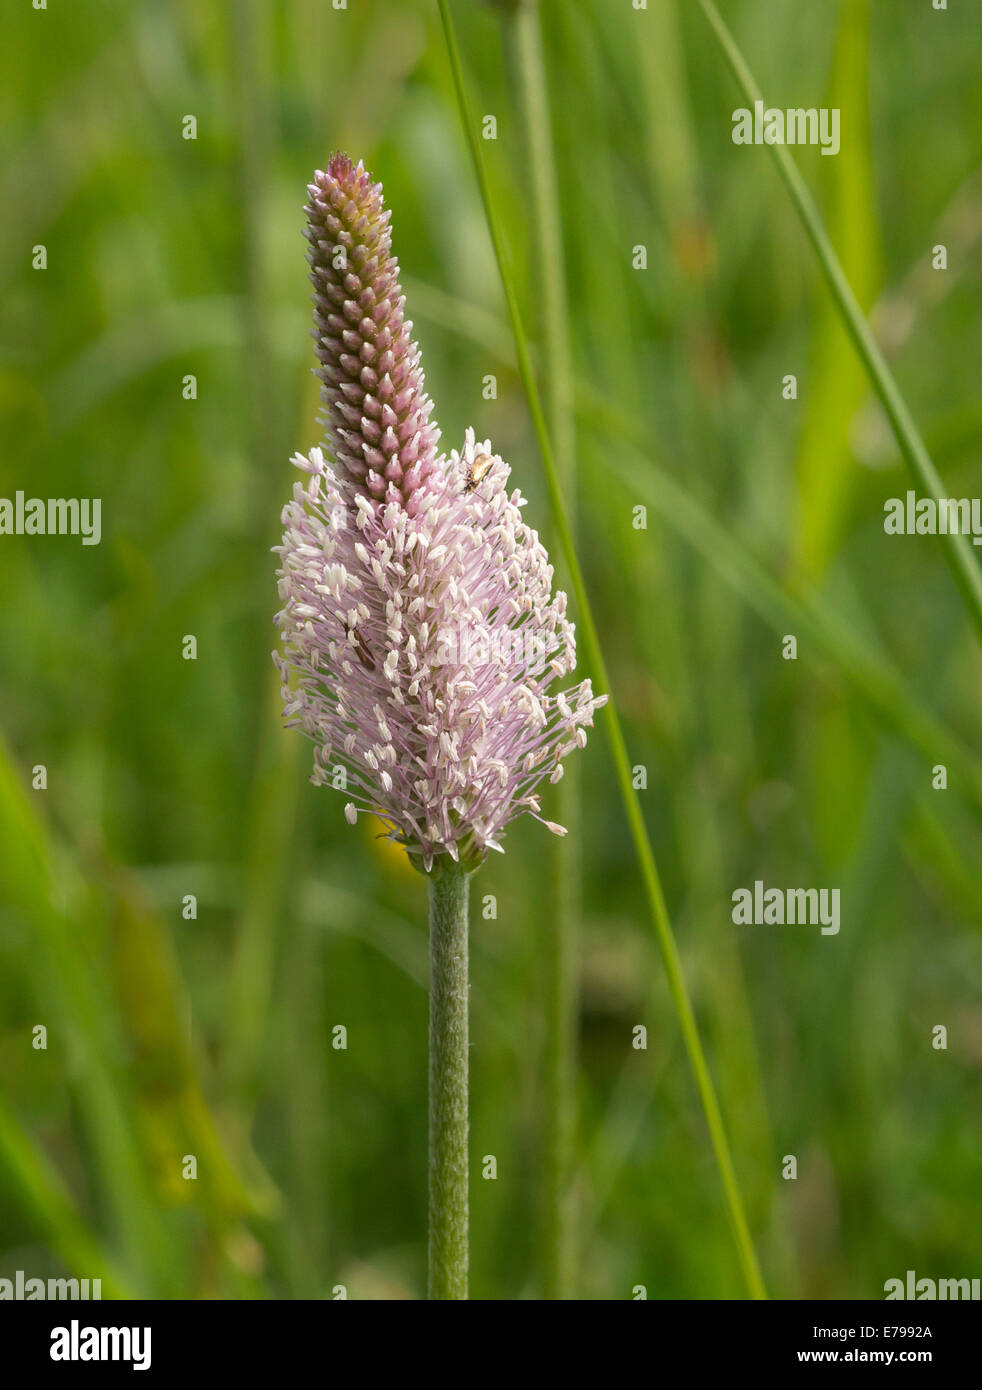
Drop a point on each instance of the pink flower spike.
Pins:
(377, 411)
(420, 635)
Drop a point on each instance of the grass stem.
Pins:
(957, 548)
(564, 912)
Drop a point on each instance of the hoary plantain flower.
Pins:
(420, 634)
(421, 640)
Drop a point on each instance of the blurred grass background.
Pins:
(167, 778)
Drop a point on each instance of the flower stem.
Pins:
(448, 887)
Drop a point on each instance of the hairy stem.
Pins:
(448, 887)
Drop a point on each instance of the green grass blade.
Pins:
(639, 834)
(825, 632)
(956, 547)
(561, 933)
(26, 1174)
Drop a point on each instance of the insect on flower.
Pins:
(477, 470)
(363, 654)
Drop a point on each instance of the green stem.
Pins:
(958, 551)
(562, 924)
(448, 886)
(622, 765)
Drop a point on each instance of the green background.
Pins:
(166, 777)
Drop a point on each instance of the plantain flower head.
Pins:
(421, 639)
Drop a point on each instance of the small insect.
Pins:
(361, 650)
(477, 470)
